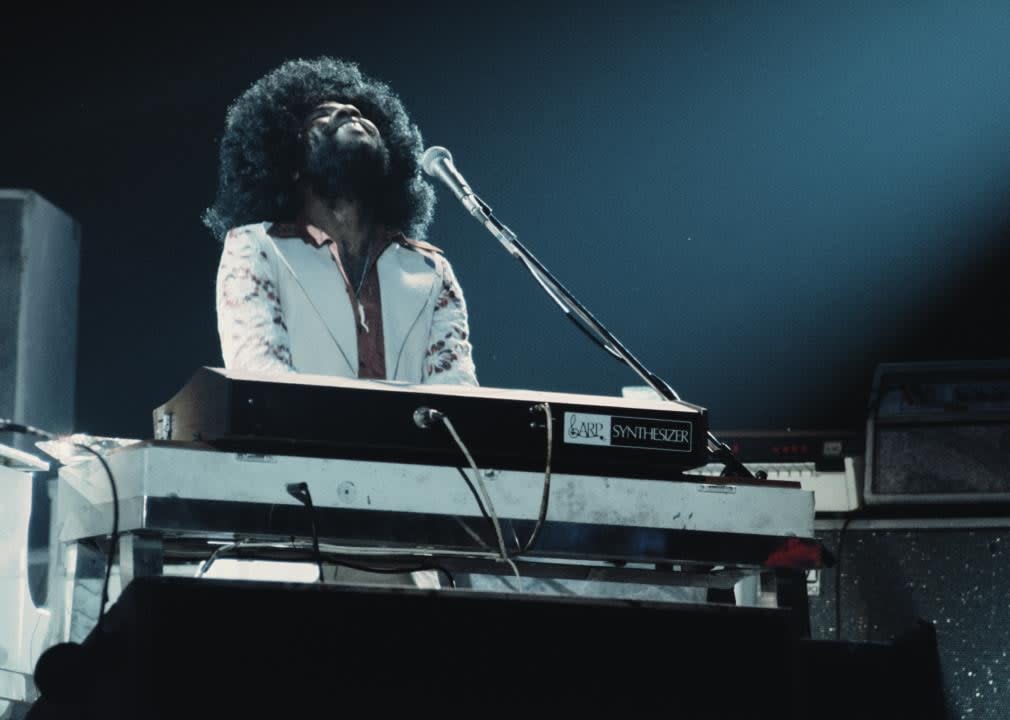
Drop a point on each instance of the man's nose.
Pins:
(342, 111)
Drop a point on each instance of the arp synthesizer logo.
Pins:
(587, 429)
(630, 432)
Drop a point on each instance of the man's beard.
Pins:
(356, 172)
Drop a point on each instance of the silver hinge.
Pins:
(813, 583)
(163, 428)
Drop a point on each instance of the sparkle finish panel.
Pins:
(955, 578)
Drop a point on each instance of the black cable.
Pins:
(541, 516)
(476, 496)
(480, 504)
(300, 492)
(515, 537)
(11, 426)
(546, 495)
(398, 571)
(838, 580)
(240, 550)
(536, 532)
(114, 539)
(110, 555)
(424, 417)
(474, 534)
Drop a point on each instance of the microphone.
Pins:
(437, 163)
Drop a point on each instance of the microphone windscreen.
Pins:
(431, 156)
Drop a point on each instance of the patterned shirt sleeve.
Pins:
(250, 319)
(449, 355)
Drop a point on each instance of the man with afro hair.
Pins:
(322, 208)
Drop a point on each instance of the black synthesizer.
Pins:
(323, 416)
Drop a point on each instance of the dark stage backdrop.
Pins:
(762, 202)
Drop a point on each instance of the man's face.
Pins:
(345, 155)
(344, 120)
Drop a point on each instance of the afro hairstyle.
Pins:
(261, 148)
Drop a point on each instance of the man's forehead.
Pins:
(328, 105)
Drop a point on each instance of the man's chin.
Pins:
(348, 167)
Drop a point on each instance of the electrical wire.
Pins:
(473, 533)
(397, 570)
(483, 511)
(515, 538)
(113, 539)
(480, 482)
(546, 496)
(220, 550)
(425, 416)
(300, 492)
(7, 425)
(476, 496)
(236, 550)
(487, 497)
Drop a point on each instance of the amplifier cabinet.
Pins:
(939, 433)
(949, 572)
(39, 256)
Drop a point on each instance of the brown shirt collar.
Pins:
(313, 235)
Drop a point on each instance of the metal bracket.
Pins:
(163, 427)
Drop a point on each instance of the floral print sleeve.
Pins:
(250, 319)
(449, 357)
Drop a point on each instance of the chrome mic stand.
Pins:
(581, 317)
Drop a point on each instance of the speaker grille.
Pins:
(957, 579)
(947, 458)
